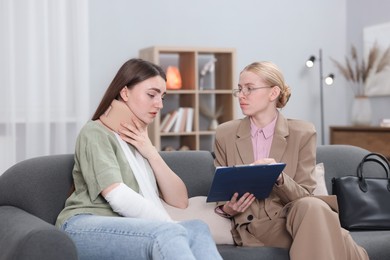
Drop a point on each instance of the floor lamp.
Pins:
(328, 81)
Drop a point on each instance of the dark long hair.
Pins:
(130, 74)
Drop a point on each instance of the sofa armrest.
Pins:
(24, 236)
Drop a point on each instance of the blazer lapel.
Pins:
(244, 142)
(279, 142)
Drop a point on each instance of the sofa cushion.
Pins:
(320, 179)
(199, 209)
(342, 160)
(195, 168)
(339, 160)
(230, 252)
(375, 242)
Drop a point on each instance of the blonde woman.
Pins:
(290, 217)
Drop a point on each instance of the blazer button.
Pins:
(249, 218)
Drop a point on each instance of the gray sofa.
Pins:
(33, 192)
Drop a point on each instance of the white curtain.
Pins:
(44, 77)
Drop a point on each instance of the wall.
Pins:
(361, 14)
(286, 32)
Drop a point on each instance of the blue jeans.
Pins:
(99, 237)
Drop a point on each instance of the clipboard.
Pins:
(256, 179)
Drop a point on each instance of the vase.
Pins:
(361, 111)
(213, 124)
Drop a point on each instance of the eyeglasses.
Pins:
(245, 90)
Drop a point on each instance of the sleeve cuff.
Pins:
(219, 211)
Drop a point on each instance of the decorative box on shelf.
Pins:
(385, 122)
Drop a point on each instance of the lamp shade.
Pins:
(173, 78)
(310, 61)
(329, 79)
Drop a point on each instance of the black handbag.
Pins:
(364, 202)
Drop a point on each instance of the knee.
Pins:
(171, 230)
(169, 235)
(311, 203)
(312, 211)
(197, 224)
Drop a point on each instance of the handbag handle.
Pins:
(368, 158)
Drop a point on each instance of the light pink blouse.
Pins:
(262, 139)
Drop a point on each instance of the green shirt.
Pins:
(99, 162)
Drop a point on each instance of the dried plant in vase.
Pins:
(357, 71)
(209, 67)
(213, 116)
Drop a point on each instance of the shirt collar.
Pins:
(267, 131)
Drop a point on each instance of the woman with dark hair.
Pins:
(115, 211)
(291, 217)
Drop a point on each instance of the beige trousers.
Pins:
(310, 229)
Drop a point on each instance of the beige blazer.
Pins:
(294, 143)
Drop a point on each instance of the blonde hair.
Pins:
(272, 76)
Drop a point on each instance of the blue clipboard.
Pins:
(256, 179)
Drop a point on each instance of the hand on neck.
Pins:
(136, 121)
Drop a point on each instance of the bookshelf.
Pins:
(206, 93)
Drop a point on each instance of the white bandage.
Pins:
(128, 203)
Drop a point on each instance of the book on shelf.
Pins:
(164, 121)
(178, 121)
(171, 121)
(180, 118)
(183, 120)
(189, 119)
